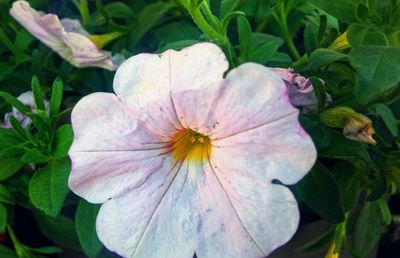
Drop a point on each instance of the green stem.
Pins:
(17, 245)
(84, 10)
(285, 31)
(209, 26)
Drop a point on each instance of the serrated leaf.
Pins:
(85, 219)
(48, 186)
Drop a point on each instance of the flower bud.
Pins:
(341, 43)
(355, 126)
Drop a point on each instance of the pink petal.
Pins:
(75, 48)
(112, 151)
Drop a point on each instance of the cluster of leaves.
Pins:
(350, 49)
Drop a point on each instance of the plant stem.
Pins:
(84, 10)
(282, 20)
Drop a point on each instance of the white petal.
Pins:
(112, 151)
(153, 220)
(278, 150)
(243, 216)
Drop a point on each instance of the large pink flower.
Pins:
(183, 159)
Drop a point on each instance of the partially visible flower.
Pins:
(340, 43)
(184, 159)
(331, 251)
(355, 126)
(300, 89)
(27, 99)
(66, 37)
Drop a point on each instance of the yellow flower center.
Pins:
(191, 146)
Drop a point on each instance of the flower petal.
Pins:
(153, 220)
(152, 81)
(243, 217)
(75, 48)
(112, 151)
(277, 150)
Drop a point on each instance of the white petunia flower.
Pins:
(183, 159)
(65, 37)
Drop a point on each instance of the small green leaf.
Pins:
(47, 250)
(14, 102)
(244, 32)
(344, 10)
(369, 227)
(119, 10)
(48, 186)
(3, 218)
(34, 156)
(56, 97)
(6, 196)
(378, 70)
(9, 167)
(85, 218)
(37, 93)
(384, 112)
(228, 6)
(319, 190)
(62, 141)
(61, 230)
(322, 56)
(228, 18)
(263, 53)
(360, 34)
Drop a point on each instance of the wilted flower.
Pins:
(27, 99)
(355, 126)
(183, 160)
(66, 37)
(300, 89)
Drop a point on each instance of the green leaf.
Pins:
(7, 253)
(14, 102)
(244, 32)
(119, 10)
(378, 70)
(322, 56)
(319, 190)
(85, 219)
(11, 152)
(3, 218)
(62, 141)
(360, 34)
(228, 6)
(344, 10)
(264, 53)
(34, 156)
(344, 148)
(369, 227)
(9, 167)
(56, 97)
(48, 186)
(6, 196)
(228, 18)
(37, 93)
(47, 250)
(61, 230)
(384, 112)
